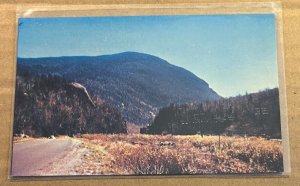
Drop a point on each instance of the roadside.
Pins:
(47, 157)
(96, 161)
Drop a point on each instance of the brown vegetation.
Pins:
(156, 154)
(49, 105)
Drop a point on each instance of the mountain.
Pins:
(137, 84)
(50, 105)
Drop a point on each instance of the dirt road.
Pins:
(46, 157)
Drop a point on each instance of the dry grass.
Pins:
(155, 154)
(20, 139)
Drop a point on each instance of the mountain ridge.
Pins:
(136, 83)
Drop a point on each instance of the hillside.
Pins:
(137, 84)
(50, 105)
(255, 114)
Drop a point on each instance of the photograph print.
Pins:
(147, 95)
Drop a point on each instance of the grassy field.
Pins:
(155, 154)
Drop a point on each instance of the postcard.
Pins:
(147, 95)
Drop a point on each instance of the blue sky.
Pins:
(233, 53)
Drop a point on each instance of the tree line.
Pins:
(251, 114)
(49, 105)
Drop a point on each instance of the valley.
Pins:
(136, 114)
(136, 84)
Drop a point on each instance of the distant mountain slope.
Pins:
(135, 83)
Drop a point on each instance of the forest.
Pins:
(255, 114)
(50, 105)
